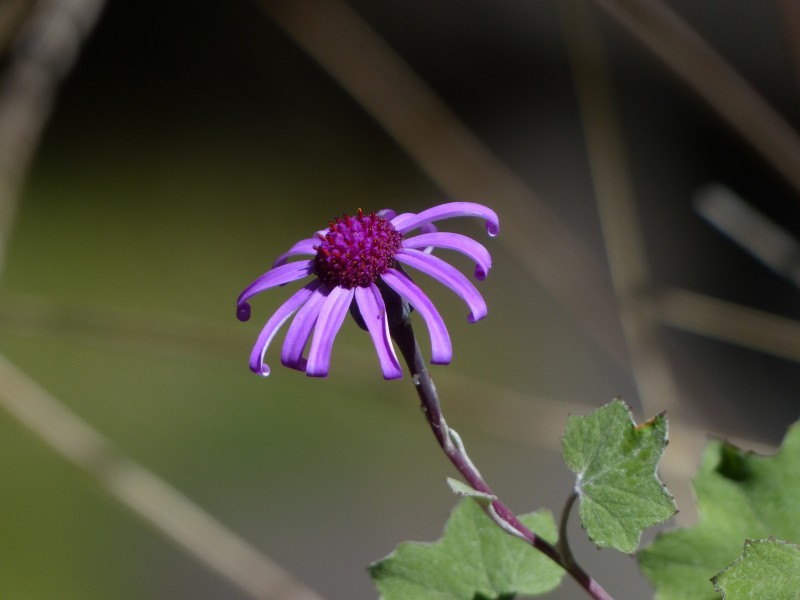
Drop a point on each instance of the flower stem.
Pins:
(450, 443)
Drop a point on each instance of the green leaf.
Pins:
(767, 569)
(740, 496)
(474, 560)
(615, 463)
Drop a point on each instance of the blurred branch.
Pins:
(12, 14)
(789, 13)
(44, 52)
(704, 70)
(144, 493)
(625, 248)
(539, 421)
(512, 415)
(747, 327)
(766, 241)
(624, 241)
(454, 158)
(27, 314)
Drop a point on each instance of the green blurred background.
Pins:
(194, 141)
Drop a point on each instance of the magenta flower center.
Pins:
(356, 250)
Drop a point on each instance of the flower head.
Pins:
(361, 258)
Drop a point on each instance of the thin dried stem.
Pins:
(45, 51)
(619, 219)
(513, 415)
(622, 235)
(12, 14)
(789, 12)
(705, 71)
(765, 240)
(144, 493)
(722, 320)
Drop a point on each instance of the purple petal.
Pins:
(373, 311)
(447, 275)
(424, 228)
(441, 348)
(457, 242)
(300, 329)
(257, 364)
(386, 213)
(409, 221)
(330, 319)
(272, 278)
(300, 248)
(428, 228)
(401, 216)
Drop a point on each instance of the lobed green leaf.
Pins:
(474, 560)
(740, 496)
(615, 462)
(767, 569)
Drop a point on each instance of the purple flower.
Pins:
(360, 258)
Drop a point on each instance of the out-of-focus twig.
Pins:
(705, 71)
(513, 415)
(789, 11)
(144, 493)
(34, 315)
(12, 13)
(444, 148)
(747, 327)
(44, 51)
(766, 241)
(625, 247)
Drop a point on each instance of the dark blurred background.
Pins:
(192, 142)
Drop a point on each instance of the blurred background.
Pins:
(190, 143)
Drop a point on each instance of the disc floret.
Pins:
(355, 251)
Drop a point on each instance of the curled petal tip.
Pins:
(243, 311)
(262, 369)
(492, 228)
(474, 319)
(480, 274)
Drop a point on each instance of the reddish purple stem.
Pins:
(403, 335)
